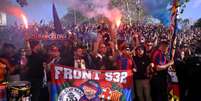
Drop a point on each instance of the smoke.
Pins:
(15, 38)
(9, 8)
(94, 8)
(160, 9)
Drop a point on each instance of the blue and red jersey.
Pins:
(124, 63)
(159, 58)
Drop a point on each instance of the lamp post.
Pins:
(75, 17)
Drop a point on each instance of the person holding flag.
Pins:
(159, 84)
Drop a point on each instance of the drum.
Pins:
(2, 71)
(3, 94)
(19, 91)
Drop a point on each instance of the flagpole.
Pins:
(75, 17)
(175, 21)
(174, 36)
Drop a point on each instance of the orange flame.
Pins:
(115, 16)
(25, 21)
(118, 22)
(15, 11)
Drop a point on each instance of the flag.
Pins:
(174, 12)
(173, 26)
(73, 84)
(173, 18)
(57, 24)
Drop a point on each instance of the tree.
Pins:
(132, 11)
(22, 3)
(198, 23)
(185, 23)
(73, 17)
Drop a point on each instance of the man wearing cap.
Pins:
(159, 82)
(124, 60)
(142, 61)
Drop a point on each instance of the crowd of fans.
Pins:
(144, 48)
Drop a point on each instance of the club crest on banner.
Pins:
(70, 94)
(72, 84)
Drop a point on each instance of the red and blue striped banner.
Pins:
(70, 84)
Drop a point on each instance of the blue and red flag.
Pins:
(57, 23)
(72, 84)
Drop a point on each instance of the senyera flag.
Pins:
(70, 84)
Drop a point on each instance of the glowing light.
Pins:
(25, 21)
(118, 22)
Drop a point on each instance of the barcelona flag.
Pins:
(57, 23)
(73, 84)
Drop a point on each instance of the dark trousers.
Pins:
(143, 90)
(159, 88)
(44, 96)
(38, 92)
(183, 91)
(35, 89)
(194, 91)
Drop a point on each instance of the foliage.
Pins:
(73, 17)
(198, 23)
(132, 11)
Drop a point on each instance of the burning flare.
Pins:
(115, 16)
(118, 22)
(25, 21)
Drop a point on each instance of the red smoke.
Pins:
(94, 8)
(114, 16)
(7, 7)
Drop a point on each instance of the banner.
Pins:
(70, 84)
(173, 91)
(173, 75)
(52, 37)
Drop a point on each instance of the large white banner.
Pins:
(3, 21)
